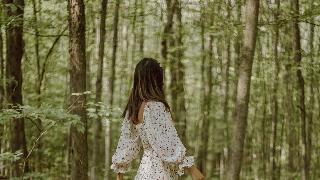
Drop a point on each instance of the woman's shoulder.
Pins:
(157, 107)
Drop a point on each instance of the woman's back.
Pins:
(164, 154)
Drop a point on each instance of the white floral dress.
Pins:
(164, 156)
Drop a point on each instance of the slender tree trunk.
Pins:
(204, 111)
(243, 89)
(36, 48)
(290, 117)
(274, 168)
(292, 152)
(99, 84)
(2, 75)
(237, 44)
(301, 92)
(15, 49)
(210, 75)
(38, 165)
(237, 49)
(108, 135)
(167, 31)
(171, 61)
(181, 107)
(141, 37)
(264, 159)
(2, 95)
(77, 64)
(209, 101)
(227, 81)
(312, 93)
(134, 34)
(207, 83)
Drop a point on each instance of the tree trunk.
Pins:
(38, 165)
(264, 158)
(36, 48)
(2, 95)
(133, 49)
(301, 92)
(204, 97)
(77, 102)
(2, 75)
(212, 125)
(98, 124)
(141, 37)
(15, 49)
(274, 168)
(292, 136)
(243, 89)
(108, 135)
(180, 72)
(227, 81)
(114, 51)
(167, 31)
(312, 91)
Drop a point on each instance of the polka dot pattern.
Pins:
(164, 156)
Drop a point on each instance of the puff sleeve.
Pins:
(163, 137)
(128, 147)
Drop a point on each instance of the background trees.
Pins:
(243, 88)
(14, 52)
(77, 64)
(202, 45)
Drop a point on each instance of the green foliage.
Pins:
(47, 114)
(9, 157)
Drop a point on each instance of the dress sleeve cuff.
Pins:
(188, 161)
(119, 169)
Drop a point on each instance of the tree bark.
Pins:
(167, 31)
(14, 53)
(227, 81)
(301, 91)
(2, 94)
(141, 37)
(312, 91)
(211, 58)
(180, 73)
(108, 135)
(38, 165)
(243, 89)
(204, 134)
(290, 117)
(99, 84)
(2, 75)
(36, 48)
(134, 39)
(274, 168)
(77, 65)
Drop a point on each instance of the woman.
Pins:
(147, 123)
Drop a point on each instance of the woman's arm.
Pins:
(163, 137)
(128, 147)
(195, 173)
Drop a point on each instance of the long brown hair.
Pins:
(147, 86)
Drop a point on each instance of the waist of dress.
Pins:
(150, 153)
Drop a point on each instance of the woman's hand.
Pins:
(121, 166)
(119, 176)
(195, 173)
